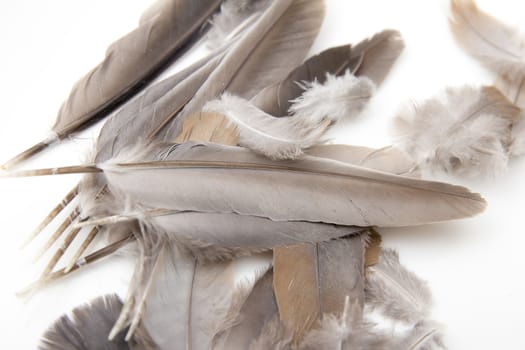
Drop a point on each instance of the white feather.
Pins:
(336, 98)
(277, 138)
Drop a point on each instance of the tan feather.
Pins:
(494, 44)
(315, 279)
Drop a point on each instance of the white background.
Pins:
(474, 267)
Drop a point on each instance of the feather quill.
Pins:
(466, 131)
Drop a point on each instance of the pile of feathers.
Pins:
(228, 157)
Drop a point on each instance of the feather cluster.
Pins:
(226, 158)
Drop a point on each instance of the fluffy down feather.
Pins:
(277, 138)
(318, 107)
(336, 98)
(465, 131)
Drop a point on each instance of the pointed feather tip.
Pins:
(30, 152)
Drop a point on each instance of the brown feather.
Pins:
(315, 279)
(380, 52)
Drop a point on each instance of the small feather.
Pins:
(335, 98)
(277, 138)
(397, 292)
(465, 131)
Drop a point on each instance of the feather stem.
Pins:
(91, 258)
(423, 339)
(115, 219)
(61, 229)
(30, 152)
(52, 214)
(60, 251)
(87, 241)
(75, 169)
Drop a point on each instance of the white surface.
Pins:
(474, 267)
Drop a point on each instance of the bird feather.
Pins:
(322, 276)
(496, 45)
(87, 328)
(370, 58)
(465, 131)
(396, 291)
(356, 196)
(179, 310)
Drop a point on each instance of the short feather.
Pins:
(464, 131)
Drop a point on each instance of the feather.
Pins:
(512, 87)
(322, 276)
(496, 45)
(186, 301)
(233, 13)
(351, 333)
(147, 50)
(248, 315)
(300, 303)
(272, 47)
(397, 292)
(311, 113)
(277, 138)
(336, 98)
(173, 177)
(387, 159)
(87, 328)
(371, 58)
(500, 48)
(465, 131)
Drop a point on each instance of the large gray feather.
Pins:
(170, 178)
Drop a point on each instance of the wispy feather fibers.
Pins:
(463, 131)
